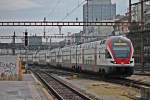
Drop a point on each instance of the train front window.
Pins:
(121, 53)
(121, 49)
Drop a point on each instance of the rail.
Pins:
(58, 88)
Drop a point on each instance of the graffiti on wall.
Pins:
(8, 66)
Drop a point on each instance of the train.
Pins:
(112, 56)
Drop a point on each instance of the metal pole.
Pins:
(87, 10)
(130, 7)
(26, 54)
(142, 35)
(59, 29)
(76, 55)
(142, 12)
(14, 43)
(87, 18)
(44, 26)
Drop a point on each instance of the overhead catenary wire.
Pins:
(72, 11)
(53, 11)
(54, 8)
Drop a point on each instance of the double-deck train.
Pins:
(112, 56)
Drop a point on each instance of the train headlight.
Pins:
(122, 62)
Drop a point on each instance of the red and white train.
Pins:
(112, 56)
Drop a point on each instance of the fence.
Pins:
(141, 43)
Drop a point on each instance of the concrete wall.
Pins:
(9, 69)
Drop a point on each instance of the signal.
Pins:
(26, 38)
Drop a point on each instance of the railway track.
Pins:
(130, 82)
(58, 88)
(122, 81)
(142, 74)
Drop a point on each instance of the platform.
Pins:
(28, 89)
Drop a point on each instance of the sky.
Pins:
(25, 10)
(52, 9)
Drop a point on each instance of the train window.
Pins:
(104, 41)
(73, 56)
(58, 56)
(83, 47)
(99, 54)
(92, 45)
(101, 42)
(107, 54)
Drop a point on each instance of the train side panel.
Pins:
(98, 56)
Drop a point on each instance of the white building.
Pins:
(97, 10)
(136, 12)
(99, 32)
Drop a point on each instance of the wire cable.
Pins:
(72, 11)
(53, 10)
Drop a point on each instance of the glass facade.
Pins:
(98, 10)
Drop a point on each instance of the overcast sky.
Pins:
(51, 9)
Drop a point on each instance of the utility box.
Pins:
(10, 68)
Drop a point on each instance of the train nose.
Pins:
(122, 61)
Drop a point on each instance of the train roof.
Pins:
(119, 37)
(91, 43)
